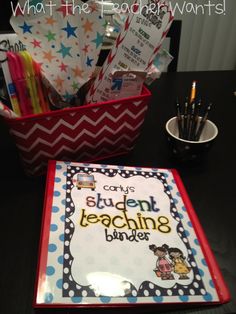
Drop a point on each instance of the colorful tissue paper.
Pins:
(64, 37)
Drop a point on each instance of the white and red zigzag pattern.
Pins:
(84, 133)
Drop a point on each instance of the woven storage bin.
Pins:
(83, 133)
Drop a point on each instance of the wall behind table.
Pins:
(208, 42)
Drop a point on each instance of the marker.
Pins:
(43, 103)
(17, 74)
(30, 80)
(9, 84)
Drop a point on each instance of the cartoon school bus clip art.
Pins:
(85, 180)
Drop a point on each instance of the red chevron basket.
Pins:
(83, 133)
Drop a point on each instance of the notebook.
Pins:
(122, 236)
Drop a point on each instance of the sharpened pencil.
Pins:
(193, 92)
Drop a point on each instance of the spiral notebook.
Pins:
(122, 236)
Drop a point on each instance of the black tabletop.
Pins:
(210, 185)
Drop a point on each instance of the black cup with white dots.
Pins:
(186, 150)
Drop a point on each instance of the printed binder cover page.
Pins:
(118, 235)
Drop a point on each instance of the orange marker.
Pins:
(43, 102)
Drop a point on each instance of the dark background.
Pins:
(5, 14)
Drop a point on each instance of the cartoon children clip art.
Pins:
(163, 265)
(180, 265)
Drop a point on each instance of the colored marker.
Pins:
(17, 73)
(43, 103)
(30, 80)
(9, 84)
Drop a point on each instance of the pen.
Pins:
(195, 120)
(179, 119)
(193, 92)
(191, 121)
(185, 119)
(189, 112)
(202, 122)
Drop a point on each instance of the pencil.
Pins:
(202, 122)
(193, 92)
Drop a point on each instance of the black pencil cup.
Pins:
(186, 150)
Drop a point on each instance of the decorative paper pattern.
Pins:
(66, 41)
(136, 46)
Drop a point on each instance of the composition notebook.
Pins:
(121, 236)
